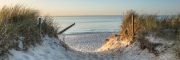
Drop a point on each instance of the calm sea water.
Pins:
(88, 24)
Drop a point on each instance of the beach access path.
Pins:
(82, 47)
(85, 41)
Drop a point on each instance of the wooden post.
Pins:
(133, 26)
(66, 28)
(5, 30)
(40, 25)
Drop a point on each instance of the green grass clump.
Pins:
(20, 21)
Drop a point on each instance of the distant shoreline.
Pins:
(88, 33)
(97, 15)
(85, 15)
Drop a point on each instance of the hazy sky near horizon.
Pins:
(98, 7)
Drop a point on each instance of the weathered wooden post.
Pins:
(5, 29)
(132, 27)
(40, 25)
(66, 28)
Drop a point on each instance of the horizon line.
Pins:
(87, 15)
(92, 15)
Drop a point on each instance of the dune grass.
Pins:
(48, 28)
(164, 27)
(151, 23)
(20, 21)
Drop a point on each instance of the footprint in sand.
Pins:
(45, 57)
(26, 57)
(47, 52)
(53, 48)
(69, 57)
(30, 53)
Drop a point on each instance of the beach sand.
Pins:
(83, 47)
(51, 49)
(85, 41)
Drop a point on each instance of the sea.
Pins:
(88, 24)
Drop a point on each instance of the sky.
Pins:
(98, 7)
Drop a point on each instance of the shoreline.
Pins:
(88, 33)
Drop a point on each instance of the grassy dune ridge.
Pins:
(167, 28)
(20, 23)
